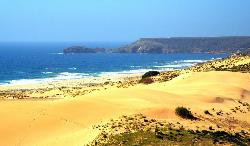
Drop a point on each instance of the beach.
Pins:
(65, 112)
(124, 73)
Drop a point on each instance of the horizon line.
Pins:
(128, 41)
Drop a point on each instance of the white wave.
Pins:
(135, 66)
(174, 65)
(216, 58)
(4, 83)
(178, 64)
(126, 72)
(130, 72)
(59, 77)
(191, 61)
(60, 53)
(48, 72)
(72, 68)
(68, 76)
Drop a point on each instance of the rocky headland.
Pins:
(230, 45)
(188, 45)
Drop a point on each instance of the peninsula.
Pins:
(230, 44)
(188, 45)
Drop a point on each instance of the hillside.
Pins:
(188, 45)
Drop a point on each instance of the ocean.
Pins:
(24, 63)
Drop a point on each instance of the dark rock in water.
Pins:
(82, 49)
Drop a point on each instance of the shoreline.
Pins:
(116, 75)
(67, 88)
(85, 81)
(50, 76)
(70, 113)
(73, 121)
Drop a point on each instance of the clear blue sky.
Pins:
(120, 20)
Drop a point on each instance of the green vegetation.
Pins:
(139, 130)
(245, 68)
(207, 112)
(146, 80)
(185, 113)
(150, 74)
(176, 137)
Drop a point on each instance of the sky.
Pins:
(120, 20)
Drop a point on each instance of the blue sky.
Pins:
(120, 20)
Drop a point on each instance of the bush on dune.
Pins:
(185, 113)
(150, 74)
(146, 80)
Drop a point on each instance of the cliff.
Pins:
(188, 45)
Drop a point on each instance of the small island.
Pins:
(82, 49)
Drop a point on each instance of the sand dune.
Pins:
(68, 121)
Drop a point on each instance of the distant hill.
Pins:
(82, 49)
(188, 45)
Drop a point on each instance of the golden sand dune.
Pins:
(69, 121)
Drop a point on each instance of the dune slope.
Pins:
(68, 121)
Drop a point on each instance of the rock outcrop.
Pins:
(82, 49)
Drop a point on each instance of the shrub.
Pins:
(207, 112)
(146, 81)
(150, 74)
(184, 113)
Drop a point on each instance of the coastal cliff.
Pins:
(239, 44)
(188, 45)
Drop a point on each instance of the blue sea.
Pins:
(22, 63)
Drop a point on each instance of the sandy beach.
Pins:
(64, 113)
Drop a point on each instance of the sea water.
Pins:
(23, 63)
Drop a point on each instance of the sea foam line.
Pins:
(59, 77)
(69, 76)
